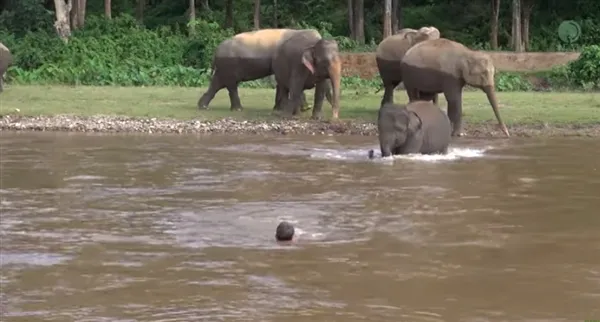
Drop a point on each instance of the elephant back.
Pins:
(395, 46)
(440, 54)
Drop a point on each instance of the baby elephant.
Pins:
(418, 127)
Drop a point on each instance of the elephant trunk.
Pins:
(335, 75)
(491, 95)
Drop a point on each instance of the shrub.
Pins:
(585, 71)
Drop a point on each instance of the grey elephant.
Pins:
(390, 52)
(417, 127)
(244, 57)
(306, 61)
(445, 66)
(5, 61)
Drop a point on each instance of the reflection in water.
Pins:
(181, 228)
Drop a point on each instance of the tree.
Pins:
(229, 14)
(77, 14)
(516, 37)
(387, 18)
(62, 24)
(107, 9)
(256, 14)
(495, 24)
(350, 6)
(526, 9)
(141, 6)
(192, 15)
(359, 21)
(275, 22)
(396, 16)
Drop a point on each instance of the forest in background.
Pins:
(171, 42)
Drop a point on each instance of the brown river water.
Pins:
(181, 228)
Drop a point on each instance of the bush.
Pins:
(585, 71)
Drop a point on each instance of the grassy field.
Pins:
(180, 103)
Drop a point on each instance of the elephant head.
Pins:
(323, 61)
(478, 71)
(397, 125)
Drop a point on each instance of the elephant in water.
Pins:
(445, 66)
(418, 127)
(390, 52)
(244, 57)
(5, 61)
(306, 61)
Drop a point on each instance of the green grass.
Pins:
(180, 103)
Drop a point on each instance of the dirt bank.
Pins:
(363, 64)
(117, 124)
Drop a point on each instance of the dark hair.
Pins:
(284, 232)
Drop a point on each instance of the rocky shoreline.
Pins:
(121, 124)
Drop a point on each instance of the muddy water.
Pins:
(175, 228)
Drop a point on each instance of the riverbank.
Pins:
(120, 124)
(173, 110)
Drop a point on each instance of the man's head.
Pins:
(284, 232)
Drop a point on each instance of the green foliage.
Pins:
(585, 71)
(512, 82)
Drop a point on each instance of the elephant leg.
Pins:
(320, 90)
(215, 86)
(278, 98)
(305, 106)
(388, 95)
(294, 100)
(435, 99)
(234, 97)
(413, 94)
(454, 98)
(386, 144)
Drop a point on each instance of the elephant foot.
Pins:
(202, 107)
(459, 134)
(237, 108)
(316, 117)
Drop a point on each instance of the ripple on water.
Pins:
(33, 259)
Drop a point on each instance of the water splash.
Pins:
(454, 153)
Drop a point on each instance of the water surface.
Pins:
(181, 228)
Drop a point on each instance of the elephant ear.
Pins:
(414, 123)
(307, 60)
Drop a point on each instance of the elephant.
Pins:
(417, 127)
(390, 52)
(244, 57)
(5, 61)
(445, 66)
(306, 61)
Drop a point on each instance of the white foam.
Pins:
(454, 153)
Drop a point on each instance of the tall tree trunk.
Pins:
(359, 21)
(517, 40)
(495, 24)
(526, 9)
(204, 5)
(400, 15)
(350, 5)
(395, 27)
(229, 14)
(62, 24)
(275, 13)
(387, 18)
(256, 14)
(192, 16)
(107, 9)
(141, 6)
(77, 14)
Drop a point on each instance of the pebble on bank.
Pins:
(120, 124)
